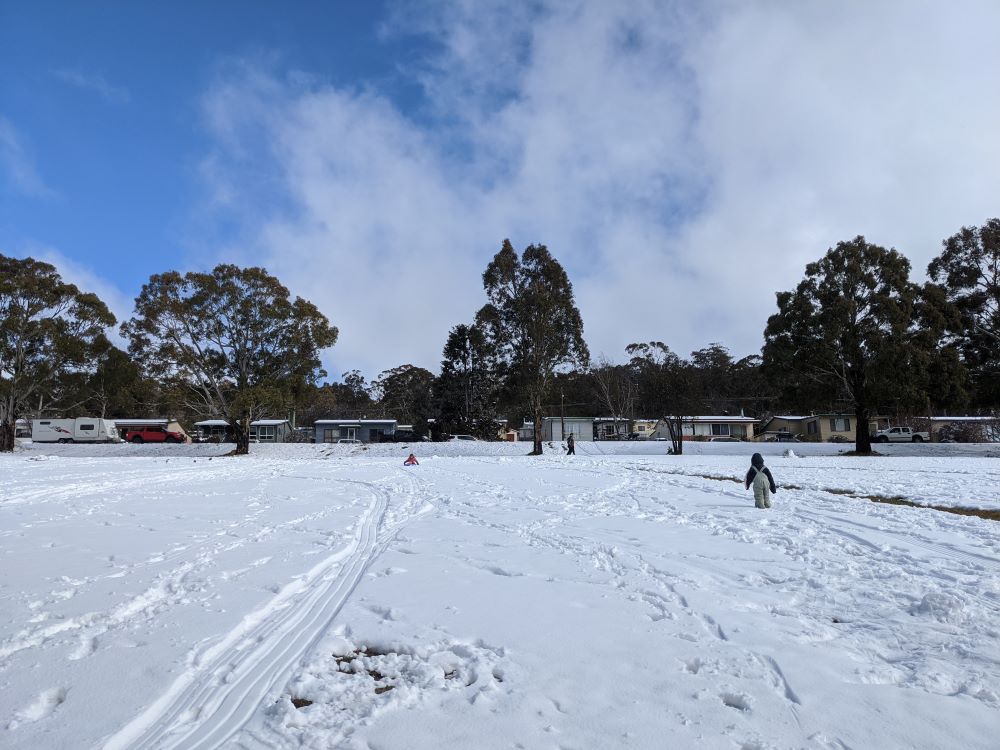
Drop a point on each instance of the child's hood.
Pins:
(757, 461)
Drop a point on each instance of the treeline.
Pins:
(856, 335)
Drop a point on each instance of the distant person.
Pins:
(571, 445)
(411, 460)
(763, 483)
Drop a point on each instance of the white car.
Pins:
(462, 437)
(351, 441)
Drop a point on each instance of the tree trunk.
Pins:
(241, 430)
(537, 450)
(7, 436)
(676, 429)
(862, 440)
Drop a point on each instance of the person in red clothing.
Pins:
(411, 460)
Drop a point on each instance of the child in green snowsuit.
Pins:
(763, 483)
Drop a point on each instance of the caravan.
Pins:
(79, 430)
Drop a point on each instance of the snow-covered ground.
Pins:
(163, 596)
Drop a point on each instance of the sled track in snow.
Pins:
(223, 687)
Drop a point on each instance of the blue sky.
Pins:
(684, 160)
(106, 102)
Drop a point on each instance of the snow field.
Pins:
(331, 598)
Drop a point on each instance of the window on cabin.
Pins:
(840, 424)
(720, 429)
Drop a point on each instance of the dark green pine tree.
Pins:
(465, 394)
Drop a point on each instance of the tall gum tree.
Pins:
(532, 323)
(845, 329)
(968, 270)
(48, 329)
(234, 337)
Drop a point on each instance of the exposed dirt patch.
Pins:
(301, 702)
(989, 515)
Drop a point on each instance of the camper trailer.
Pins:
(79, 430)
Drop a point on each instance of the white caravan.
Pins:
(79, 430)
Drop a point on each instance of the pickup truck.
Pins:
(901, 435)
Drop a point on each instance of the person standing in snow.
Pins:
(763, 483)
(571, 445)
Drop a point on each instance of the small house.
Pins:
(825, 428)
(962, 429)
(611, 428)
(707, 427)
(362, 430)
(270, 431)
(558, 429)
(214, 431)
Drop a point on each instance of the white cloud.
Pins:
(17, 164)
(95, 83)
(682, 165)
(86, 280)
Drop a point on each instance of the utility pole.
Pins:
(562, 415)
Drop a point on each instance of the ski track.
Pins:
(211, 702)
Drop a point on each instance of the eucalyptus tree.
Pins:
(968, 270)
(846, 329)
(404, 393)
(532, 322)
(49, 330)
(669, 387)
(234, 337)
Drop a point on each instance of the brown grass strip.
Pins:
(989, 515)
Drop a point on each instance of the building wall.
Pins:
(581, 428)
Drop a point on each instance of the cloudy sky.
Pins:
(683, 160)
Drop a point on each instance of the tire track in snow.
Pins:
(214, 699)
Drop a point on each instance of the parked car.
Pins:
(350, 441)
(462, 437)
(721, 439)
(901, 435)
(153, 435)
(782, 437)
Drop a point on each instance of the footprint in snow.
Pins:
(45, 705)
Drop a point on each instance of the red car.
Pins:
(154, 435)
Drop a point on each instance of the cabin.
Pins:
(350, 430)
(827, 427)
(707, 427)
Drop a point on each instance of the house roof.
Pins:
(141, 422)
(358, 422)
(719, 419)
(212, 423)
(268, 422)
(961, 419)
